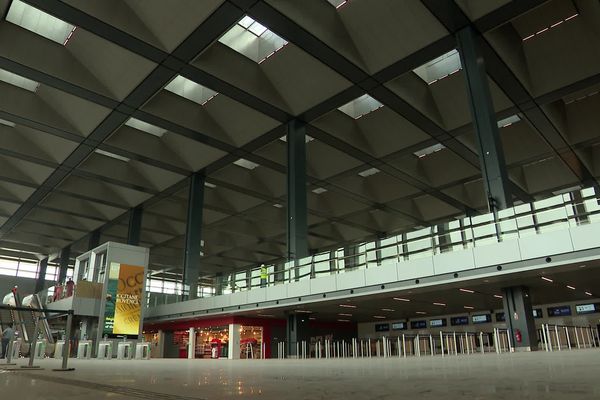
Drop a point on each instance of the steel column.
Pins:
(491, 155)
(39, 283)
(94, 239)
(135, 226)
(65, 254)
(519, 317)
(193, 236)
(297, 209)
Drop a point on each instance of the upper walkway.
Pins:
(547, 233)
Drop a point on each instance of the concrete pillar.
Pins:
(135, 226)
(193, 237)
(41, 280)
(297, 209)
(94, 240)
(519, 318)
(192, 343)
(296, 332)
(65, 254)
(233, 351)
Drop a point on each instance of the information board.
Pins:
(399, 326)
(382, 327)
(481, 318)
(435, 323)
(559, 311)
(418, 324)
(457, 321)
(587, 308)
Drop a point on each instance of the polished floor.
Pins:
(560, 375)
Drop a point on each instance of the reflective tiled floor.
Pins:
(559, 375)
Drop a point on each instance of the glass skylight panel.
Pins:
(111, 155)
(429, 150)
(337, 3)
(253, 40)
(319, 190)
(145, 127)
(210, 185)
(368, 172)
(242, 162)
(190, 90)
(39, 22)
(18, 80)
(7, 123)
(503, 123)
(439, 68)
(360, 106)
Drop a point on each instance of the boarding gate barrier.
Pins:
(563, 337)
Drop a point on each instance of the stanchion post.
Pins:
(67, 346)
(32, 345)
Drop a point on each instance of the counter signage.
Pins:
(537, 313)
(123, 307)
(434, 323)
(456, 321)
(559, 311)
(500, 317)
(418, 324)
(399, 326)
(382, 327)
(481, 318)
(587, 308)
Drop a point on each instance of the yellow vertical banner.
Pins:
(128, 304)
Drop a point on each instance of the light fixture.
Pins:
(469, 307)
(111, 155)
(387, 309)
(7, 123)
(400, 299)
(547, 28)
(508, 121)
(337, 3)
(369, 172)
(242, 162)
(498, 296)
(420, 312)
(439, 68)
(277, 205)
(439, 304)
(145, 127)
(467, 290)
(210, 185)
(343, 320)
(360, 106)
(429, 150)
(570, 287)
(379, 316)
(347, 305)
(547, 279)
(588, 293)
(303, 311)
(307, 139)
(344, 315)
(252, 39)
(319, 190)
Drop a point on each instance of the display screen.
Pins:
(537, 313)
(587, 308)
(399, 326)
(418, 324)
(123, 307)
(437, 322)
(559, 311)
(382, 327)
(500, 317)
(481, 318)
(455, 321)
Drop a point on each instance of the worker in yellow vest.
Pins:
(264, 275)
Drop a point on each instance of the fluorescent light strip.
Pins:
(387, 309)
(421, 312)
(319, 190)
(467, 290)
(145, 127)
(7, 123)
(347, 306)
(401, 299)
(469, 307)
(554, 25)
(344, 315)
(277, 205)
(439, 304)
(210, 185)
(588, 293)
(547, 279)
(242, 162)
(343, 320)
(303, 311)
(498, 296)
(570, 287)
(368, 172)
(379, 316)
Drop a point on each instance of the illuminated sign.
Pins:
(559, 311)
(399, 326)
(482, 318)
(586, 308)
(418, 324)
(437, 322)
(455, 321)
(123, 308)
(382, 327)
(537, 313)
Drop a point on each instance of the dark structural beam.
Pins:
(39, 283)
(297, 209)
(94, 239)
(491, 155)
(65, 254)
(135, 226)
(193, 236)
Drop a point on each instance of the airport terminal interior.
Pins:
(299, 199)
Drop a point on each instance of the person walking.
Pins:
(7, 335)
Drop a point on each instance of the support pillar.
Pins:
(94, 239)
(378, 255)
(191, 344)
(65, 254)
(193, 236)
(297, 209)
(444, 240)
(233, 351)
(41, 280)
(351, 256)
(219, 284)
(491, 155)
(135, 226)
(296, 331)
(519, 318)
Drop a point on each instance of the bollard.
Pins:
(431, 350)
(9, 351)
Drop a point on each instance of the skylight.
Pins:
(190, 90)
(547, 28)
(210, 185)
(7, 123)
(253, 40)
(39, 22)
(369, 172)
(429, 150)
(18, 80)
(145, 127)
(111, 155)
(337, 3)
(503, 123)
(439, 68)
(242, 162)
(360, 106)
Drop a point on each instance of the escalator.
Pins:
(33, 301)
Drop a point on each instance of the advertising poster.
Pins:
(123, 309)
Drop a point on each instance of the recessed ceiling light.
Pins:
(319, 190)
(344, 315)
(277, 205)
(242, 162)
(379, 316)
(439, 68)
(343, 320)
(400, 299)
(347, 305)
(467, 290)
(303, 311)
(18, 80)
(439, 304)
(421, 312)
(210, 185)
(387, 309)
(145, 127)
(111, 155)
(588, 293)
(570, 287)
(498, 296)
(368, 172)
(39, 22)
(469, 307)
(547, 279)
(7, 123)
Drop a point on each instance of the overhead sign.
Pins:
(123, 308)
(559, 311)
(481, 318)
(456, 321)
(418, 324)
(399, 326)
(587, 308)
(435, 323)
(382, 327)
